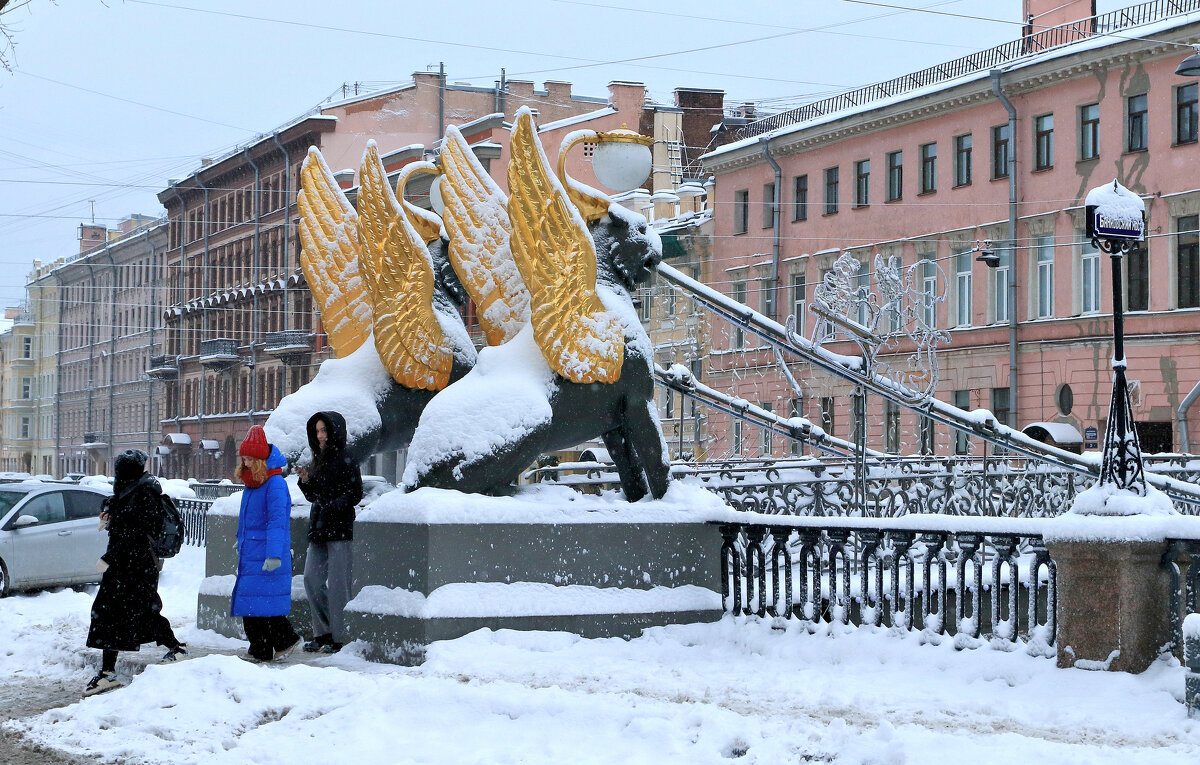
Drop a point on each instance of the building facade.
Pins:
(994, 152)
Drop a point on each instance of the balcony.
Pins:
(219, 353)
(95, 440)
(163, 367)
(291, 346)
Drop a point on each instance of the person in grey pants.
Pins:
(334, 486)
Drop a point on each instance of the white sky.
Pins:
(109, 100)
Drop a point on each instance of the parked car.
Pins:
(49, 535)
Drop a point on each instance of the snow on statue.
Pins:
(581, 367)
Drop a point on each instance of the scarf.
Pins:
(248, 477)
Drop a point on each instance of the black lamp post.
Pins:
(1116, 224)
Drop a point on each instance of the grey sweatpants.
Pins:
(327, 571)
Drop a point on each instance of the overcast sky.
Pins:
(107, 101)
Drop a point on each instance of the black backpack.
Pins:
(170, 533)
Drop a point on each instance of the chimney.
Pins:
(91, 235)
(702, 108)
(558, 91)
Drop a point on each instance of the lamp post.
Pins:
(1116, 224)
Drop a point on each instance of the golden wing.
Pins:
(555, 255)
(477, 223)
(408, 337)
(329, 256)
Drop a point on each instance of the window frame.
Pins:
(1001, 147)
(1089, 278)
(1193, 119)
(1137, 123)
(800, 198)
(741, 211)
(1043, 142)
(1183, 225)
(769, 205)
(862, 183)
(799, 304)
(1089, 132)
(964, 283)
(1045, 276)
(895, 175)
(928, 155)
(832, 181)
(962, 160)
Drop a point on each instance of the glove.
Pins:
(101, 566)
(270, 564)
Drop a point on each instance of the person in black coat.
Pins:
(334, 486)
(127, 611)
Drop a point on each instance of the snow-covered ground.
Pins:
(692, 694)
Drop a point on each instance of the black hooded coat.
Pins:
(334, 484)
(127, 611)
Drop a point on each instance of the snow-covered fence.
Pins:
(993, 575)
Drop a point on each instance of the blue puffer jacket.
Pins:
(263, 532)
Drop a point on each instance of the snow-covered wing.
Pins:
(476, 219)
(557, 260)
(408, 337)
(329, 256)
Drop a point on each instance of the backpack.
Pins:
(169, 539)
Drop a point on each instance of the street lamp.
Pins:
(1116, 224)
(1190, 66)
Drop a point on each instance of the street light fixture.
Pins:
(1190, 66)
(1116, 224)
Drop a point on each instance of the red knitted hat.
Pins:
(255, 444)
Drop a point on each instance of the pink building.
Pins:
(1001, 147)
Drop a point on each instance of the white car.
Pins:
(49, 535)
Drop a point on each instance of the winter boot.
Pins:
(105, 681)
(331, 647)
(286, 651)
(317, 643)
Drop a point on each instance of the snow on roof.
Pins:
(1061, 432)
(577, 119)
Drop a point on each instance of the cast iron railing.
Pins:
(195, 520)
(995, 577)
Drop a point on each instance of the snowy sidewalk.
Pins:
(689, 694)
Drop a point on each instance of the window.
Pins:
(925, 433)
(25, 427)
(1090, 275)
(796, 409)
(1136, 129)
(826, 405)
(800, 197)
(1045, 276)
(1000, 148)
(1089, 131)
(739, 294)
(669, 405)
(737, 438)
(862, 288)
(858, 420)
(962, 160)
(929, 271)
(83, 505)
(862, 183)
(697, 367)
(928, 168)
(962, 288)
(1001, 405)
(47, 508)
(799, 304)
(891, 427)
(895, 175)
(1185, 114)
(645, 302)
(768, 205)
(1043, 142)
(1137, 280)
(26, 387)
(1187, 259)
(27, 347)
(768, 298)
(962, 400)
(831, 190)
(741, 210)
(766, 434)
(1001, 276)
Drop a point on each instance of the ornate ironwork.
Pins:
(854, 576)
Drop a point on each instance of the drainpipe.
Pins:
(150, 346)
(112, 351)
(287, 221)
(58, 378)
(203, 300)
(254, 293)
(766, 153)
(182, 292)
(91, 383)
(1181, 416)
(441, 100)
(1012, 244)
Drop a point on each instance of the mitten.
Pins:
(270, 564)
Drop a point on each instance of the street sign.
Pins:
(1090, 434)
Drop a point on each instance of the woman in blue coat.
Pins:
(262, 595)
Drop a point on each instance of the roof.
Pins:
(1047, 44)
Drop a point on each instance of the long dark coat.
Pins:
(128, 611)
(334, 484)
(263, 532)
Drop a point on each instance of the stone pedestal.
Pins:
(1112, 604)
(422, 576)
